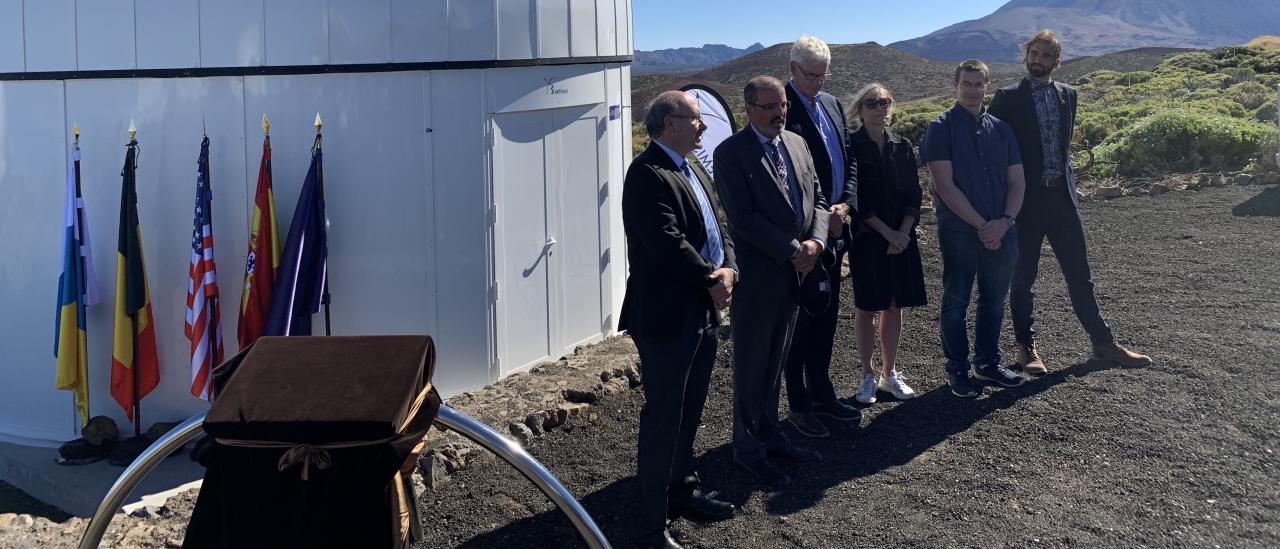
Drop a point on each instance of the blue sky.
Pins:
(660, 24)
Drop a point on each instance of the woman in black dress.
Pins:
(885, 255)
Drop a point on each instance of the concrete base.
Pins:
(78, 489)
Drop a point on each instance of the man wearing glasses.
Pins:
(682, 270)
(778, 219)
(821, 122)
(978, 187)
(1042, 113)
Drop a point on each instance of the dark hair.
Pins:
(1046, 37)
(662, 106)
(758, 83)
(973, 65)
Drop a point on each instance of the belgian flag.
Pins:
(135, 366)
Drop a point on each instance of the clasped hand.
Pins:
(807, 257)
(992, 232)
(722, 291)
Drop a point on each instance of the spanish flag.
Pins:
(76, 290)
(264, 255)
(135, 367)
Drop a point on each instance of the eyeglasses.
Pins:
(770, 106)
(811, 76)
(877, 103)
(697, 118)
(972, 85)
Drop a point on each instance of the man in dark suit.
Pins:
(818, 117)
(682, 270)
(778, 219)
(1042, 113)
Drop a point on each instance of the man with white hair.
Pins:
(821, 122)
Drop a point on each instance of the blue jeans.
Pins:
(963, 260)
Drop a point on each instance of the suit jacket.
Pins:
(800, 123)
(1015, 105)
(756, 202)
(668, 278)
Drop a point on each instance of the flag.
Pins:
(135, 366)
(204, 320)
(302, 284)
(264, 255)
(77, 289)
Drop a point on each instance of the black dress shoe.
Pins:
(765, 473)
(702, 507)
(795, 454)
(837, 410)
(667, 543)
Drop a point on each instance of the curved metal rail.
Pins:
(448, 418)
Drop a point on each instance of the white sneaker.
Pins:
(867, 391)
(894, 384)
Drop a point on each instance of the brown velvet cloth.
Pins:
(351, 413)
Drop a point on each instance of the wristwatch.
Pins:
(1010, 218)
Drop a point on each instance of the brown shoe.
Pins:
(1118, 354)
(1030, 360)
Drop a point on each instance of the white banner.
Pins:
(720, 124)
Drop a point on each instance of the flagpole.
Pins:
(325, 296)
(133, 318)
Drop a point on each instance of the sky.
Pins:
(661, 24)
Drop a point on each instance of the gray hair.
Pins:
(760, 82)
(807, 48)
(662, 106)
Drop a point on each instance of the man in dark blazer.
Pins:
(818, 117)
(778, 220)
(1042, 113)
(682, 270)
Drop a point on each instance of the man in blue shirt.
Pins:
(978, 187)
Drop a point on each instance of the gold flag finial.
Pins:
(75, 130)
(318, 124)
(133, 130)
(266, 125)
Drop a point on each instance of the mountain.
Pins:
(1092, 27)
(677, 60)
(852, 66)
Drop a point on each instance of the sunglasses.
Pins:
(877, 103)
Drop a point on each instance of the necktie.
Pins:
(713, 249)
(793, 193)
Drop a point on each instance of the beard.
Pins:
(1038, 71)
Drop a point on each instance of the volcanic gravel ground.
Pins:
(1181, 453)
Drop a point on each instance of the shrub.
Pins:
(1249, 94)
(1183, 140)
(911, 121)
(1266, 112)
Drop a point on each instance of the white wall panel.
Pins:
(606, 28)
(12, 57)
(375, 191)
(33, 176)
(472, 30)
(104, 34)
(582, 28)
(419, 30)
(553, 28)
(517, 29)
(534, 88)
(297, 32)
(168, 33)
(231, 33)
(360, 31)
(628, 31)
(50, 35)
(619, 155)
(169, 114)
(463, 327)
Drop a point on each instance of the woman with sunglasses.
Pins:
(885, 256)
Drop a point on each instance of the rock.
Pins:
(581, 396)
(520, 432)
(1192, 186)
(1243, 179)
(606, 375)
(1216, 181)
(100, 430)
(158, 429)
(1267, 178)
(1204, 179)
(1136, 191)
(173, 543)
(534, 422)
(1158, 188)
(23, 521)
(1108, 192)
(433, 470)
(150, 511)
(633, 376)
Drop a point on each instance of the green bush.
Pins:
(1266, 112)
(1182, 140)
(1249, 94)
(910, 121)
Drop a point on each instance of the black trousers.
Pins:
(1052, 215)
(676, 373)
(808, 364)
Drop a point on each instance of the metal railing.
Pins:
(447, 418)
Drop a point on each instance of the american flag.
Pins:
(204, 326)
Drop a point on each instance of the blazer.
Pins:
(1015, 106)
(889, 185)
(799, 122)
(757, 204)
(668, 278)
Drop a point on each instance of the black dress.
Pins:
(888, 189)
